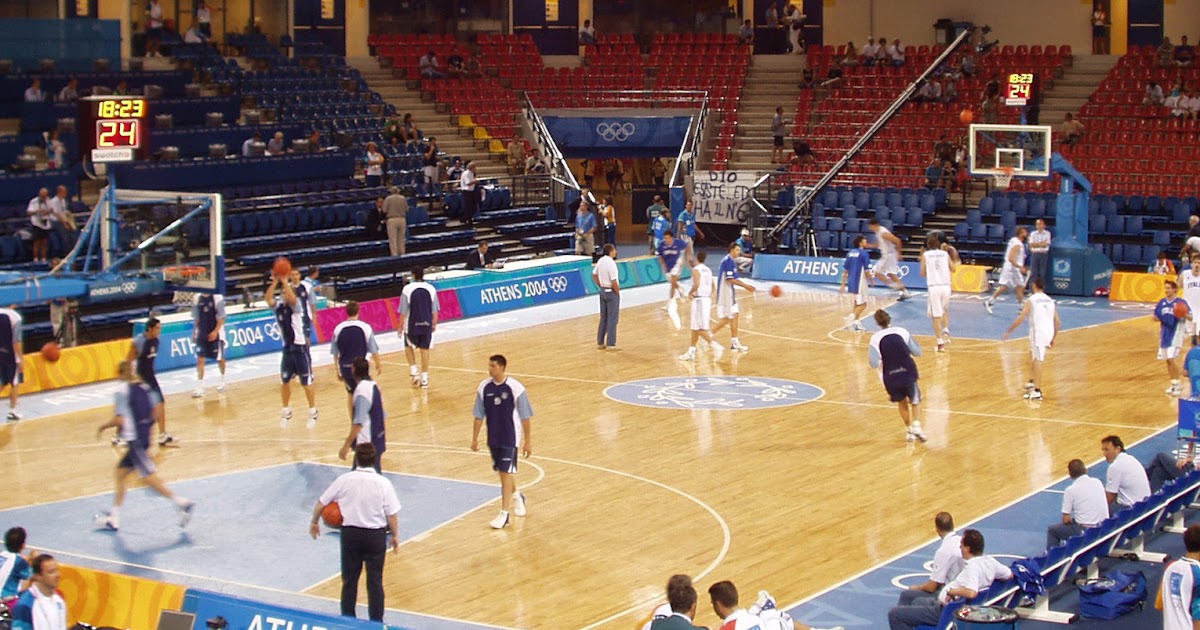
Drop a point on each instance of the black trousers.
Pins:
(363, 547)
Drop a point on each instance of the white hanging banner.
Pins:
(723, 196)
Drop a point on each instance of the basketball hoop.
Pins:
(1003, 178)
(182, 274)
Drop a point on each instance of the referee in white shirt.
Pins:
(369, 506)
(604, 274)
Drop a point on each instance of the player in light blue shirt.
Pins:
(1171, 333)
(659, 226)
(669, 251)
(686, 228)
(854, 278)
(14, 567)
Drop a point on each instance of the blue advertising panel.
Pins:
(822, 270)
(255, 333)
(243, 613)
(519, 293)
(617, 136)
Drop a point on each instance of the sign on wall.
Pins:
(723, 196)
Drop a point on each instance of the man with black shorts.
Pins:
(892, 351)
(208, 324)
(502, 402)
(289, 298)
(136, 408)
(143, 352)
(352, 339)
(778, 131)
(418, 320)
(11, 354)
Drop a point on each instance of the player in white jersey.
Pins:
(701, 295)
(888, 265)
(1189, 284)
(1013, 273)
(1043, 328)
(1179, 593)
(937, 267)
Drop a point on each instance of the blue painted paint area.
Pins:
(1016, 531)
(714, 392)
(219, 544)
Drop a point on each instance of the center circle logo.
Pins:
(714, 392)
(615, 131)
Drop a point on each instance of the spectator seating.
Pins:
(12, 86)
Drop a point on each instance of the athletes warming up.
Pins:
(701, 294)
(1043, 328)
(142, 353)
(353, 339)
(888, 265)
(1171, 334)
(670, 259)
(1189, 283)
(418, 321)
(501, 401)
(854, 277)
(208, 322)
(892, 351)
(290, 301)
(727, 308)
(1012, 274)
(938, 268)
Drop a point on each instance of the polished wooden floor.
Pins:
(620, 497)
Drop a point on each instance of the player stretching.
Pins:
(11, 355)
(502, 402)
(208, 322)
(137, 405)
(701, 294)
(1013, 273)
(418, 321)
(353, 339)
(1171, 333)
(892, 351)
(291, 311)
(888, 265)
(727, 308)
(671, 261)
(143, 352)
(1043, 328)
(938, 268)
(1189, 281)
(854, 275)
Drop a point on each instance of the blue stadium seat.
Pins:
(859, 226)
(818, 210)
(928, 203)
(1008, 219)
(878, 199)
(846, 241)
(1108, 208)
(961, 231)
(979, 232)
(862, 200)
(987, 206)
(1161, 238)
(1117, 253)
(1020, 207)
(915, 218)
(835, 224)
(1097, 224)
(883, 213)
(849, 212)
(829, 198)
(974, 217)
(845, 199)
(827, 240)
(1154, 204)
(1133, 226)
(1133, 255)
(895, 200)
(1135, 203)
(995, 233)
(1002, 205)
(1116, 225)
(1149, 255)
(1118, 200)
(1037, 209)
(820, 224)
(888, 224)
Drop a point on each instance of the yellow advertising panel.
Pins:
(969, 279)
(1137, 287)
(76, 366)
(119, 601)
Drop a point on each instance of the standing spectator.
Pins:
(42, 607)
(367, 416)
(430, 169)
(1154, 94)
(587, 34)
(374, 169)
(653, 212)
(585, 169)
(746, 34)
(469, 185)
(1039, 253)
(502, 402)
(56, 151)
(1178, 591)
(1099, 22)
(1126, 482)
(778, 131)
(516, 157)
(585, 230)
(369, 507)
(428, 66)
(1165, 54)
(772, 16)
(947, 562)
(608, 214)
(870, 52)
(659, 171)
(154, 28)
(40, 212)
(851, 56)
(1071, 130)
(204, 20)
(793, 21)
(1083, 506)
(395, 212)
(34, 93)
(1185, 55)
(275, 147)
(70, 92)
(605, 275)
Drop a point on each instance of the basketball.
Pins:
(51, 351)
(967, 116)
(776, 290)
(332, 515)
(282, 267)
(1181, 311)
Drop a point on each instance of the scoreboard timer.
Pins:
(1020, 89)
(114, 128)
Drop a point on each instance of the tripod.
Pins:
(806, 245)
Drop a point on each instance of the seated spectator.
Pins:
(122, 88)
(70, 92)
(947, 562)
(516, 156)
(587, 34)
(314, 142)
(408, 129)
(1163, 265)
(15, 571)
(1154, 94)
(428, 66)
(1170, 466)
(534, 164)
(454, 66)
(375, 221)
(1185, 55)
(480, 258)
(808, 79)
(746, 34)
(895, 53)
(1071, 130)
(851, 56)
(453, 169)
(34, 93)
(275, 146)
(967, 67)
(42, 607)
(394, 148)
(1165, 54)
(870, 52)
(1181, 105)
(473, 69)
(391, 128)
(943, 150)
(977, 575)
(930, 92)
(193, 35)
(881, 55)
(257, 137)
(950, 91)
(803, 153)
(1126, 482)
(939, 174)
(1084, 505)
(1193, 105)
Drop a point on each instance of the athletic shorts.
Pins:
(1189, 327)
(676, 270)
(939, 301)
(1012, 277)
(700, 308)
(420, 341)
(778, 141)
(1170, 352)
(10, 374)
(899, 392)
(296, 363)
(727, 311)
(887, 266)
(504, 458)
(861, 296)
(137, 459)
(348, 378)
(211, 350)
(151, 381)
(1038, 352)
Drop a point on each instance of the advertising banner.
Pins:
(968, 278)
(519, 293)
(256, 332)
(75, 366)
(243, 613)
(1137, 287)
(617, 136)
(114, 600)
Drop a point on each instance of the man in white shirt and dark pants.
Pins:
(977, 575)
(604, 274)
(369, 507)
(1039, 252)
(469, 185)
(1084, 505)
(1126, 482)
(947, 562)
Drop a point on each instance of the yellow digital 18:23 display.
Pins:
(121, 108)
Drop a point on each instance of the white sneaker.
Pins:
(198, 392)
(424, 383)
(167, 440)
(117, 441)
(908, 436)
(104, 521)
(941, 346)
(519, 504)
(500, 521)
(849, 321)
(1030, 386)
(718, 351)
(1035, 394)
(1174, 390)
(690, 355)
(13, 414)
(285, 416)
(946, 334)
(857, 327)
(738, 347)
(185, 513)
(221, 387)
(312, 419)
(764, 602)
(988, 305)
(917, 432)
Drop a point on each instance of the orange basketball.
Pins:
(1181, 311)
(967, 116)
(776, 290)
(51, 351)
(282, 267)
(332, 515)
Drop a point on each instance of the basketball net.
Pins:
(1004, 177)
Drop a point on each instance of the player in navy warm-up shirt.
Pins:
(1171, 330)
(418, 321)
(367, 415)
(11, 353)
(670, 252)
(143, 353)
(892, 351)
(352, 339)
(854, 280)
(290, 301)
(502, 402)
(208, 324)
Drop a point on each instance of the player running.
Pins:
(854, 276)
(1171, 333)
(1014, 271)
(670, 259)
(892, 351)
(143, 353)
(888, 265)
(1044, 325)
(937, 267)
(1189, 282)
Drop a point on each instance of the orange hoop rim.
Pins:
(184, 271)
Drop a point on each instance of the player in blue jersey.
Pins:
(501, 402)
(352, 339)
(670, 259)
(143, 354)
(687, 229)
(854, 279)
(367, 415)
(891, 352)
(1171, 331)
(660, 225)
(11, 356)
(136, 408)
(418, 322)
(289, 299)
(14, 565)
(727, 308)
(208, 325)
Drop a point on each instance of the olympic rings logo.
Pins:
(615, 131)
(558, 284)
(129, 287)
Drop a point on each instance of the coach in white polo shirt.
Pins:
(1084, 505)
(1126, 482)
(1039, 253)
(605, 274)
(369, 506)
(948, 562)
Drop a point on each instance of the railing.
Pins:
(545, 142)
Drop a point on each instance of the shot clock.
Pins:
(114, 128)
(1020, 89)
